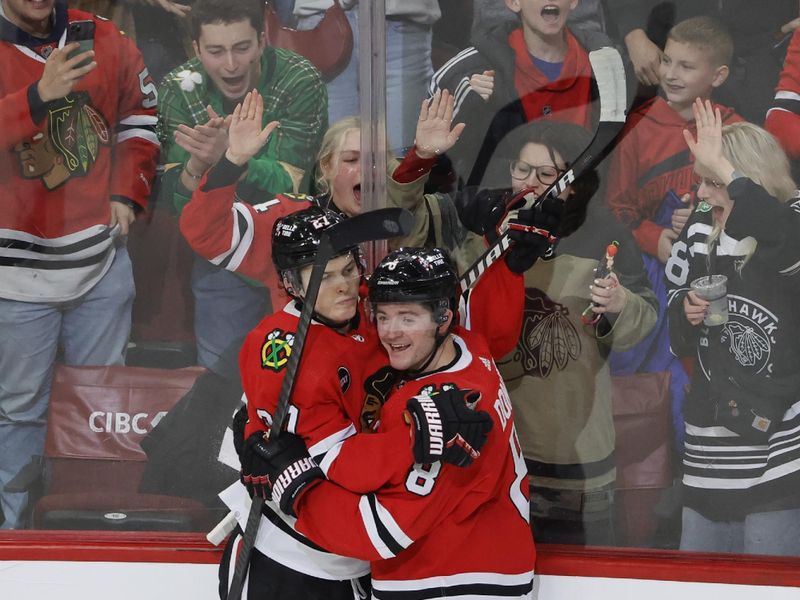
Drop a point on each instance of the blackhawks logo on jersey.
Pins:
(276, 350)
(377, 388)
(69, 144)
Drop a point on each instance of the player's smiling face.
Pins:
(231, 55)
(545, 17)
(407, 333)
(32, 16)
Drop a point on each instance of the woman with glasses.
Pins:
(741, 465)
(557, 376)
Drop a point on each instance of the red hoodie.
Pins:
(652, 159)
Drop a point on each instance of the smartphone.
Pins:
(83, 33)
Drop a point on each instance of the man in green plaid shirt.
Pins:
(195, 103)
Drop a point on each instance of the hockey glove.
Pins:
(447, 428)
(255, 469)
(287, 466)
(530, 229)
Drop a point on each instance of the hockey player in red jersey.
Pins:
(409, 526)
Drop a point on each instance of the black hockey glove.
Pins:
(447, 428)
(288, 469)
(532, 230)
(255, 469)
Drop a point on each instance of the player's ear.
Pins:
(443, 320)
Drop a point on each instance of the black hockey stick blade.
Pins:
(609, 74)
(366, 227)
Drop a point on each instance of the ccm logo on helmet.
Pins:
(109, 422)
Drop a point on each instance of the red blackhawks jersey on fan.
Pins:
(59, 173)
(235, 235)
(438, 530)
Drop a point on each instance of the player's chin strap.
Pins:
(438, 340)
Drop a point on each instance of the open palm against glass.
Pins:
(245, 134)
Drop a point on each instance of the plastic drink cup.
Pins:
(713, 288)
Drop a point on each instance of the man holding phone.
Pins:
(77, 126)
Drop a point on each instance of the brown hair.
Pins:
(706, 33)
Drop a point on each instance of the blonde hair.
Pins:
(332, 143)
(706, 33)
(756, 154)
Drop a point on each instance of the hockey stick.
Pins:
(366, 227)
(609, 73)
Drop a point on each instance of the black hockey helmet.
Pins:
(296, 237)
(415, 275)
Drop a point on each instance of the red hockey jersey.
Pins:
(58, 175)
(783, 119)
(651, 159)
(235, 235)
(413, 527)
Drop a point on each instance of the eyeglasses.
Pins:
(546, 174)
(717, 185)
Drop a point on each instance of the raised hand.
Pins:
(707, 148)
(245, 135)
(62, 72)
(434, 132)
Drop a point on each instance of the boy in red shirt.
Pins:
(652, 159)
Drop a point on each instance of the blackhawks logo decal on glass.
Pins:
(276, 350)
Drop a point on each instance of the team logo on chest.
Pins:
(68, 146)
(750, 333)
(276, 350)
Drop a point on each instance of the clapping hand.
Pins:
(245, 135)
(205, 143)
(434, 132)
